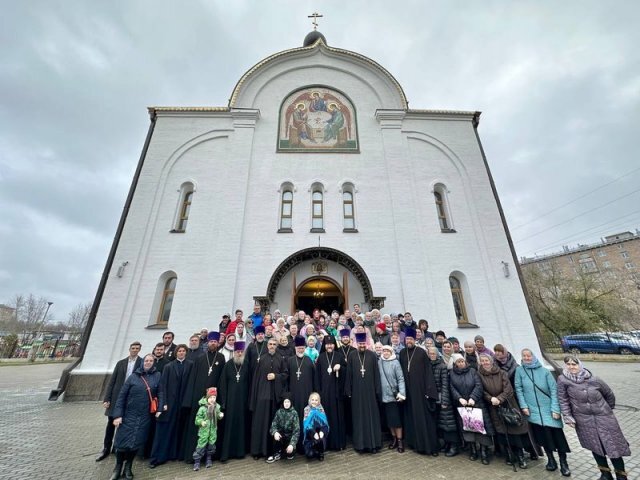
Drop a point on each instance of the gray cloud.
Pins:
(558, 84)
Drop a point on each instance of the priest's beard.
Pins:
(238, 360)
(299, 355)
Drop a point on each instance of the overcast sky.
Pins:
(558, 84)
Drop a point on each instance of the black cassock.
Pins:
(344, 352)
(233, 397)
(420, 406)
(363, 386)
(301, 386)
(331, 389)
(171, 424)
(205, 373)
(253, 353)
(264, 399)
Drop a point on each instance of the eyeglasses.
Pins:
(571, 364)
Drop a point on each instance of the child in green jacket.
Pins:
(285, 430)
(207, 419)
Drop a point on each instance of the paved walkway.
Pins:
(41, 439)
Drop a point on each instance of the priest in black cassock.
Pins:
(255, 349)
(267, 386)
(172, 418)
(301, 382)
(205, 373)
(330, 375)
(363, 386)
(233, 396)
(343, 351)
(420, 407)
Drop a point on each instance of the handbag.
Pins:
(510, 416)
(472, 420)
(153, 401)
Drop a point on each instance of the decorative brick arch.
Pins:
(324, 253)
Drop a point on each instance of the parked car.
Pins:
(601, 343)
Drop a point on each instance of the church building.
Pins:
(316, 186)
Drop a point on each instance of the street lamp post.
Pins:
(44, 318)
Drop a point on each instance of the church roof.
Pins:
(319, 42)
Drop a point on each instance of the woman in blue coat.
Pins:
(132, 416)
(537, 395)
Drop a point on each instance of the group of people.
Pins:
(273, 386)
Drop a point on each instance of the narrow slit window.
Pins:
(167, 301)
(286, 210)
(317, 211)
(458, 301)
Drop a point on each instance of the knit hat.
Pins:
(300, 341)
(410, 333)
(213, 336)
(258, 329)
(238, 346)
(361, 337)
(387, 347)
(478, 337)
(382, 326)
(212, 392)
(455, 357)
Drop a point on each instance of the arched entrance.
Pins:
(292, 282)
(319, 292)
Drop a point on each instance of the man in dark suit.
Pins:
(121, 372)
(169, 346)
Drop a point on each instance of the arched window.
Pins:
(442, 208)
(166, 301)
(461, 300)
(184, 207)
(317, 209)
(348, 208)
(286, 210)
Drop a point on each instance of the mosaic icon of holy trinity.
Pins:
(317, 119)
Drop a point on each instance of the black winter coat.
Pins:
(133, 407)
(446, 417)
(465, 383)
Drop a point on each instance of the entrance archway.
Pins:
(327, 263)
(322, 293)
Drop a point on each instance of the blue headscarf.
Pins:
(535, 363)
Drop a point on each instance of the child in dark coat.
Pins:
(285, 429)
(316, 428)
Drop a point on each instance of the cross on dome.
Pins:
(315, 16)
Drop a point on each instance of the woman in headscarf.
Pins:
(447, 426)
(393, 392)
(447, 351)
(587, 405)
(470, 355)
(498, 392)
(315, 428)
(466, 391)
(537, 395)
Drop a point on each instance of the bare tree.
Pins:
(78, 317)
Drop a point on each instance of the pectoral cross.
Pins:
(238, 377)
(298, 373)
(210, 369)
(258, 359)
(362, 370)
(315, 16)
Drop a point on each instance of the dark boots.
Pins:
(605, 473)
(484, 454)
(551, 466)
(452, 451)
(564, 466)
(117, 472)
(621, 475)
(209, 461)
(394, 443)
(400, 445)
(128, 474)
(522, 461)
(473, 452)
